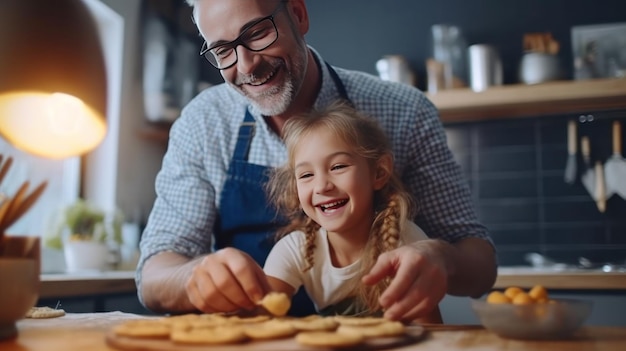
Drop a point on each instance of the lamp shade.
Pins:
(52, 78)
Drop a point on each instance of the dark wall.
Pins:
(515, 167)
(356, 33)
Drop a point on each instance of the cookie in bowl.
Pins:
(531, 315)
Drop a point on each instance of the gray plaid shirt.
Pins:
(203, 140)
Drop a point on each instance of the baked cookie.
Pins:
(384, 329)
(272, 329)
(228, 334)
(315, 324)
(276, 303)
(329, 339)
(143, 328)
(44, 312)
(360, 321)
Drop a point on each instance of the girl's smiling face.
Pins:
(335, 185)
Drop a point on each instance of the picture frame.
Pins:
(599, 51)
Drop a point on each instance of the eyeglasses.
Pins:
(257, 37)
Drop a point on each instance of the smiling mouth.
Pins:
(332, 205)
(255, 82)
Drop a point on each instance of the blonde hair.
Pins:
(392, 204)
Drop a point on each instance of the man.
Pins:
(210, 228)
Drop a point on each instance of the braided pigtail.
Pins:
(310, 231)
(385, 236)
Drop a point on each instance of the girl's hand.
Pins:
(419, 279)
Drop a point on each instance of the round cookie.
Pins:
(359, 321)
(209, 336)
(385, 329)
(276, 303)
(328, 339)
(44, 312)
(315, 324)
(151, 328)
(272, 329)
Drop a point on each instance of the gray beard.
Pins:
(274, 102)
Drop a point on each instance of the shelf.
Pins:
(157, 131)
(507, 101)
(510, 101)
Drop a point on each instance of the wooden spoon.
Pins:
(4, 169)
(13, 204)
(23, 206)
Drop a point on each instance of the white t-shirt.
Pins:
(325, 284)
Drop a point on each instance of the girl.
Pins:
(345, 207)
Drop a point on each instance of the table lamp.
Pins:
(52, 78)
(52, 104)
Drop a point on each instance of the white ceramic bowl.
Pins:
(555, 320)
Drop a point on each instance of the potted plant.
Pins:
(86, 234)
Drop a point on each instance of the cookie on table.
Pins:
(143, 328)
(359, 321)
(44, 312)
(276, 303)
(329, 339)
(272, 329)
(315, 324)
(384, 329)
(227, 334)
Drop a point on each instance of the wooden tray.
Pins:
(413, 335)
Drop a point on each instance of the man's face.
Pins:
(270, 78)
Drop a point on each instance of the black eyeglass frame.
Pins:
(204, 50)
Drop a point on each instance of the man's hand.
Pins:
(225, 281)
(419, 279)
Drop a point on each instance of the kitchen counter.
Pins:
(87, 331)
(566, 279)
(116, 282)
(84, 284)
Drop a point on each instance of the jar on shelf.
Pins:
(449, 48)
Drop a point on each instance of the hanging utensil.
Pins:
(615, 167)
(588, 178)
(570, 166)
(600, 187)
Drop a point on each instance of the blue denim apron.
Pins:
(246, 221)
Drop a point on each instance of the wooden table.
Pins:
(87, 331)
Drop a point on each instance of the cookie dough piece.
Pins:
(276, 303)
(272, 329)
(384, 329)
(140, 328)
(44, 312)
(329, 339)
(209, 336)
(315, 324)
(359, 321)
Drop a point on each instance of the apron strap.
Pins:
(338, 83)
(244, 140)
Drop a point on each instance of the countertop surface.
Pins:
(101, 283)
(88, 331)
(566, 279)
(59, 285)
